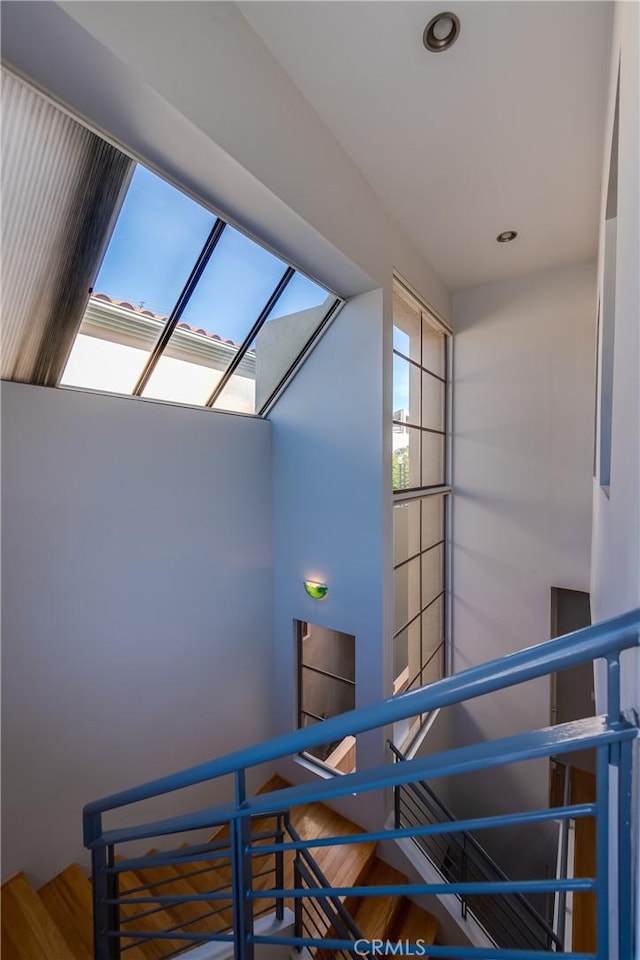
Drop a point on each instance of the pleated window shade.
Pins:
(62, 187)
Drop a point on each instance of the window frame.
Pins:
(161, 346)
(410, 738)
(302, 631)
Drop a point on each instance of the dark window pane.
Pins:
(325, 697)
(322, 752)
(324, 655)
(331, 651)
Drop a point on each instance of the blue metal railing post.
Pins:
(602, 852)
(625, 868)
(297, 903)
(397, 815)
(105, 947)
(105, 916)
(463, 877)
(597, 641)
(564, 856)
(612, 735)
(279, 873)
(613, 688)
(113, 917)
(241, 876)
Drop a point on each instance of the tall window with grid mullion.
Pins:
(420, 361)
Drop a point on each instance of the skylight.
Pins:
(188, 309)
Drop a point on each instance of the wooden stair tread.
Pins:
(205, 875)
(29, 932)
(415, 924)
(68, 899)
(166, 881)
(194, 914)
(375, 916)
(276, 782)
(315, 820)
(56, 923)
(210, 878)
(158, 922)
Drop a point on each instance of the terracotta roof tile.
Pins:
(105, 298)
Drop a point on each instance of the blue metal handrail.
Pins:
(432, 809)
(612, 735)
(590, 643)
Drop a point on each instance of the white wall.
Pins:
(192, 90)
(615, 574)
(523, 438)
(136, 632)
(329, 489)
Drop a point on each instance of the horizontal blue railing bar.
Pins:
(160, 860)
(211, 817)
(455, 953)
(173, 935)
(611, 735)
(575, 812)
(599, 640)
(169, 898)
(416, 889)
(160, 883)
(575, 735)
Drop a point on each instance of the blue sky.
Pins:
(156, 241)
(400, 382)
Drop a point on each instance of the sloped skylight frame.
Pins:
(240, 354)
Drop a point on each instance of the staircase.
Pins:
(392, 917)
(285, 848)
(55, 922)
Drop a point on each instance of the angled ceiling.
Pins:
(503, 131)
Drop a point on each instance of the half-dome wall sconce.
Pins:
(315, 590)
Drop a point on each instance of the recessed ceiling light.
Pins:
(507, 236)
(441, 32)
